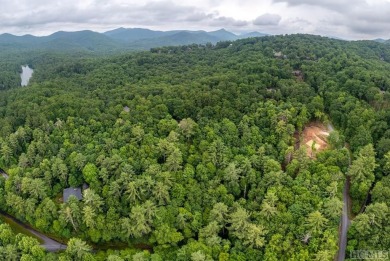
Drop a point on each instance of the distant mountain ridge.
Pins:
(120, 39)
(134, 34)
(380, 40)
(137, 34)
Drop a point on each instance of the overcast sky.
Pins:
(348, 19)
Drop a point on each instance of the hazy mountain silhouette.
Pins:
(120, 39)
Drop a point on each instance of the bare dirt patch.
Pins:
(314, 138)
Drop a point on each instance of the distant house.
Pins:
(126, 109)
(72, 192)
(278, 54)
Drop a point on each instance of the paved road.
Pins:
(49, 244)
(5, 175)
(345, 222)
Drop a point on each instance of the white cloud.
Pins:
(267, 19)
(347, 19)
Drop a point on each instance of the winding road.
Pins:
(2, 173)
(49, 244)
(345, 222)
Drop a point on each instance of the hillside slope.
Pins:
(192, 152)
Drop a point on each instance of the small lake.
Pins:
(26, 75)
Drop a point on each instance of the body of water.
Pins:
(26, 75)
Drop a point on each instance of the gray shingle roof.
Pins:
(72, 191)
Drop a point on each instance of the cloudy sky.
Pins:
(348, 19)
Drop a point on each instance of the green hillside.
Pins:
(193, 152)
(18, 50)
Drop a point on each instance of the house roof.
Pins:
(72, 192)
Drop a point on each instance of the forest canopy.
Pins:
(190, 152)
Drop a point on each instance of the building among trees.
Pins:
(72, 192)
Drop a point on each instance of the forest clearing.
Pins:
(314, 138)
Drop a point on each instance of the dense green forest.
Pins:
(190, 152)
(29, 49)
